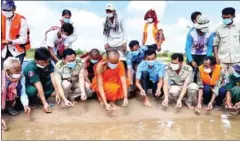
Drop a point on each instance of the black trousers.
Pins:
(199, 60)
(147, 83)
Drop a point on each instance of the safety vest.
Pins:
(14, 32)
(206, 79)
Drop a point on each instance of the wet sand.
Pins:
(88, 120)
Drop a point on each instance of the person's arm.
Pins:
(185, 86)
(160, 75)
(59, 87)
(82, 84)
(165, 89)
(138, 77)
(52, 54)
(100, 83)
(188, 47)
(124, 85)
(123, 27)
(210, 45)
(22, 39)
(24, 97)
(41, 94)
(129, 70)
(53, 80)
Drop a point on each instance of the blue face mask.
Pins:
(151, 63)
(135, 53)
(112, 66)
(71, 64)
(66, 20)
(236, 74)
(227, 21)
(93, 61)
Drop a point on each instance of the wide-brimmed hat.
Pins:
(110, 7)
(7, 5)
(202, 22)
(237, 67)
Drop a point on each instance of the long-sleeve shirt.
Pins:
(22, 39)
(116, 39)
(23, 97)
(227, 40)
(198, 45)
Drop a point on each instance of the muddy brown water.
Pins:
(88, 120)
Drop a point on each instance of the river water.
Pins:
(90, 121)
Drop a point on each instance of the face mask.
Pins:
(236, 74)
(174, 66)
(227, 21)
(150, 20)
(64, 36)
(40, 66)
(135, 53)
(208, 70)
(204, 30)
(112, 66)
(109, 15)
(8, 14)
(71, 64)
(66, 20)
(151, 63)
(16, 76)
(93, 61)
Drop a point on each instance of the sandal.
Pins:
(12, 112)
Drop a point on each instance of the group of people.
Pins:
(210, 77)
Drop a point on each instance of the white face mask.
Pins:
(204, 30)
(40, 66)
(208, 70)
(64, 36)
(8, 14)
(109, 15)
(150, 20)
(16, 76)
(174, 66)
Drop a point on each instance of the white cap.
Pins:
(202, 22)
(110, 7)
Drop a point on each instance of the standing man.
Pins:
(14, 32)
(40, 78)
(194, 18)
(178, 82)
(110, 82)
(150, 75)
(114, 31)
(227, 41)
(69, 77)
(210, 83)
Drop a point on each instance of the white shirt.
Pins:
(70, 39)
(116, 38)
(227, 41)
(51, 40)
(21, 40)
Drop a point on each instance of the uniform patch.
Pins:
(30, 73)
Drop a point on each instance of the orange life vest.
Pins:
(14, 32)
(206, 79)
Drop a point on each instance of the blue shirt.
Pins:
(156, 72)
(136, 59)
(198, 45)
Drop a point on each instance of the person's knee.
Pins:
(31, 91)
(193, 89)
(207, 90)
(222, 92)
(66, 85)
(174, 91)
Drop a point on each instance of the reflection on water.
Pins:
(222, 127)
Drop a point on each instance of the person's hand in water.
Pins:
(68, 103)
(58, 99)
(83, 96)
(198, 107)
(237, 106)
(27, 110)
(209, 107)
(143, 93)
(4, 126)
(158, 92)
(46, 108)
(165, 102)
(108, 107)
(179, 103)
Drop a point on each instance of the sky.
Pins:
(88, 16)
